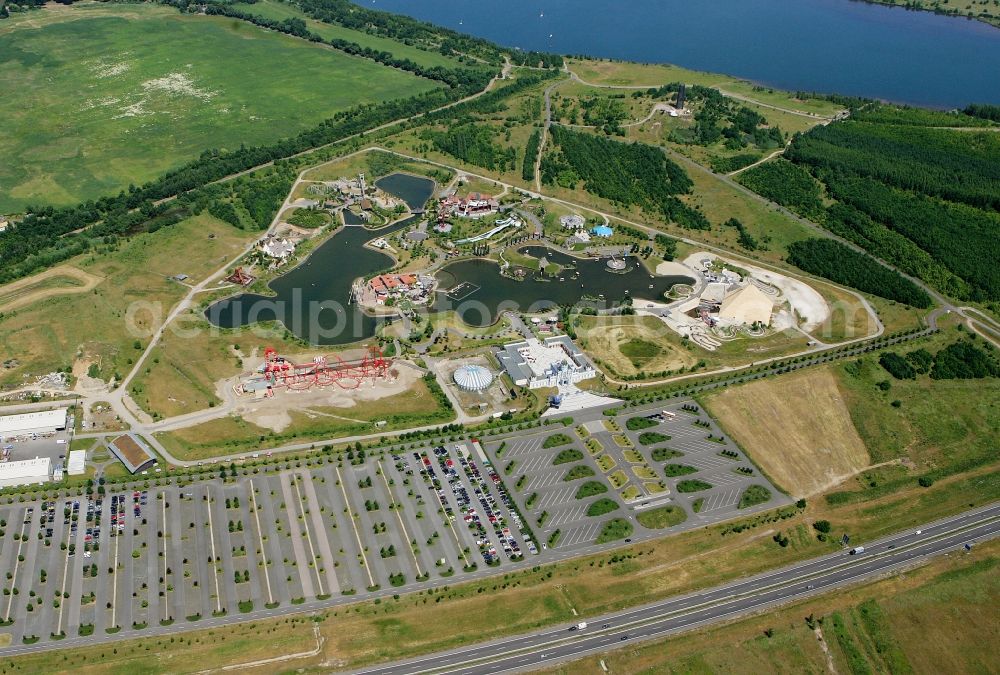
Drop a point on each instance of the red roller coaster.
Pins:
(278, 371)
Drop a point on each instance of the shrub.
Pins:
(822, 526)
(663, 454)
(555, 440)
(577, 472)
(652, 437)
(613, 530)
(693, 485)
(753, 495)
(674, 470)
(659, 518)
(590, 489)
(602, 506)
(637, 423)
(567, 455)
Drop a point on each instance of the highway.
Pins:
(754, 594)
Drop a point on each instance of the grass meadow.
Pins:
(110, 95)
(63, 331)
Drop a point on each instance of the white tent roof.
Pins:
(473, 377)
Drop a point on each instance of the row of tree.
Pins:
(530, 155)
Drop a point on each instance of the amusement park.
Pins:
(279, 372)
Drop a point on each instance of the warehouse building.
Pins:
(41, 422)
(25, 472)
(133, 452)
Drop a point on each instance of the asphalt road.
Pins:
(816, 576)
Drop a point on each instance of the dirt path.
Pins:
(761, 160)
(22, 292)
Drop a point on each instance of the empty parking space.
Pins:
(721, 499)
(519, 447)
(581, 534)
(558, 495)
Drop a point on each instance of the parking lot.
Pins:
(138, 559)
(629, 467)
(337, 527)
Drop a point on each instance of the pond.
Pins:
(479, 294)
(313, 300)
(413, 190)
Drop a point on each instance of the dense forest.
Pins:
(623, 173)
(473, 143)
(983, 111)
(961, 360)
(746, 240)
(530, 154)
(957, 166)
(919, 195)
(832, 260)
(786, 184)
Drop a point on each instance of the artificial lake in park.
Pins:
(478, 293)
(313, 299)
(832, 46)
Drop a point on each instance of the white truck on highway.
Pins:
(579, 626)
(857, 549)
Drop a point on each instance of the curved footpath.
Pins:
(553, 645)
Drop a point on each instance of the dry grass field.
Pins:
(797, 428)
(61, 280)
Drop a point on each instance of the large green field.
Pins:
(109, 95)
(274, 9)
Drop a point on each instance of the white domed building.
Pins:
(472, 377)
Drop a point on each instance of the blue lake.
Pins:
(840, 46)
